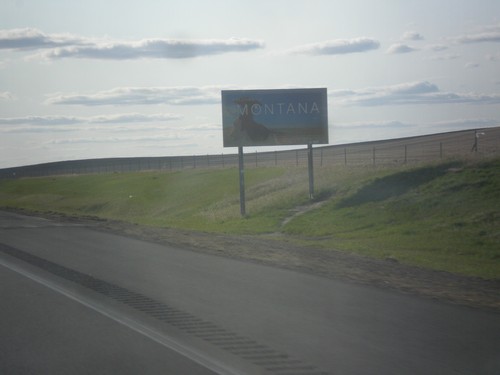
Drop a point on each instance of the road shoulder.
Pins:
(278, 251)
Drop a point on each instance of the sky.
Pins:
(104, 78)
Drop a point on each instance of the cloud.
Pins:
(6, 95)
(57, 46)
(420, 92)
(203, 127)
(130, 118)
(472, 65)
(411, 93)
(437, 47)
(41, 120)
(181, 95)
(374, 125)
(480, 38)
(154, 49)
(487, 34)
(400, 48)
(412, 35)
(465, 123)
(104, 119)
(337, 47)
(444, 57)
(493, 56)
(30, 39)
(115, 140)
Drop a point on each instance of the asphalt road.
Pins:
(45, 332)
(93, 302)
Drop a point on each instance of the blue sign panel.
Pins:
(274, 117)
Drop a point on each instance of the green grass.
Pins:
(429, 216)
(199, 199)
(444, 216)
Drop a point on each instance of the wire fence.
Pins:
(478, 143)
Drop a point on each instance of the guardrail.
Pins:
(460, 144)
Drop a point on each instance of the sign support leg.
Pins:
(310, 164)
(242, 181)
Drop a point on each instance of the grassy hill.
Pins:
(442, 216)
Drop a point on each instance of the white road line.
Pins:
(135, 325)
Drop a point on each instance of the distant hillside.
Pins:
(475, 143)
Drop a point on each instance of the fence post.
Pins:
(406, 154)
(374, 156)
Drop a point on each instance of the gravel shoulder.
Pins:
(279, 251)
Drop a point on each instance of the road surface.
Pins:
(94, 302)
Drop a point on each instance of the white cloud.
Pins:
(337, 47)
(104, 119)
(398, 48)
(487, 34)
(180, 95)
(471, 65)
(6, 95)
(32, 129)
(114, 140)
(203, 127)
(480, 38)
(40, 120)
(444, 57)
(437, 47)
(402, 47)
(154, 48)
(130, 118)
(374, 125)
(30, 39)
(420, 92)
(493, 56)
(411, 93)
(412, 35)
(69, 46)
(470, 123)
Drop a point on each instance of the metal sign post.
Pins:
(274, 118)
(242, 181)
(310, 164)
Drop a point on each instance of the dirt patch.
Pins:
(278, 251)
(300, 210)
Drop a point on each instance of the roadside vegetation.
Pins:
(442, 216)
